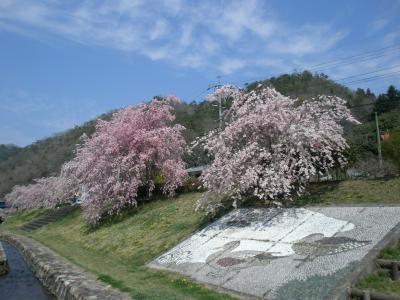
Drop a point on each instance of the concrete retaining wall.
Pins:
(60, 277)
(3, 261)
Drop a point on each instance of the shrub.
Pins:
(370, 168)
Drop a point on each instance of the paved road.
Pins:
(20, 283)
(281, 253)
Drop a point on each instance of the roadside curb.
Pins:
(61, 278)
(367, 266)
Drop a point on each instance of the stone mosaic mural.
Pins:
(260, 251)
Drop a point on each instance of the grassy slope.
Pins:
(117, 253)
(13, 222)
(45, 157)
(354, 191)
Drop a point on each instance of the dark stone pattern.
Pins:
(313, 288)
(3, 261)
(327, 246)
(229, 261)
(60, 277)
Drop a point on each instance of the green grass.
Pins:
(380, 282)
(20, 218)
(353, 191)
(392, 253)
(118, 250)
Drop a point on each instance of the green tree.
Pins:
(389, 101)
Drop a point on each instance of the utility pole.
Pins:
(378, 139)
(220, 115)
(219, 104)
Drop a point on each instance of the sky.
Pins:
(65, 62)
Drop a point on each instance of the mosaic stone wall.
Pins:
(261, 252)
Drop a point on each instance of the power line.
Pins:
(354, 56)
(351, 82)
(343, 78)
(201, 93)
(373, 78)
(368, 55)
(361, 57)
(373, 103)
(333, 79)
(353, 60)
(376, 71)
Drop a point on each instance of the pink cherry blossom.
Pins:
(222, 93)
(125, 154)
(271, 146)
(173, 100)
(43, 193)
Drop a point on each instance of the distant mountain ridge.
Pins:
(45, 157)
(8, 150)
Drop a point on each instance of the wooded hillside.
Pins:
(45, 157)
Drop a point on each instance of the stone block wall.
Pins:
(61, 278)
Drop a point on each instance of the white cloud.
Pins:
(235, 19)
(391, 37)
(159, 29)
(204, 34)
(379, 23)
(173, 6)
(308, 39)
(231, 65)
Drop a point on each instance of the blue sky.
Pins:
(65, 62)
